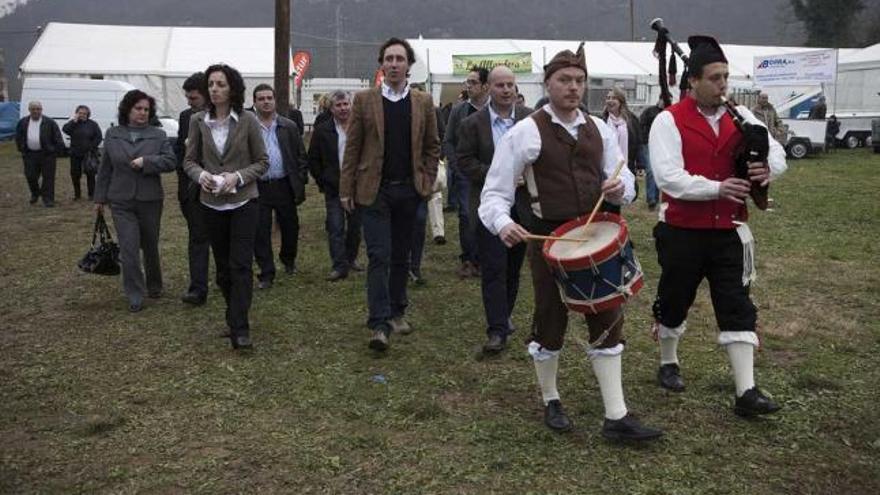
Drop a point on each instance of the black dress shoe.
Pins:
(754, 403)
(628, 428)
(495, 344)
(241, 342)
(555, 418)
(135, 308)
(264, 284)
(156, 294)
(379, 340)
(194, 298)
(335, 275)
(49, 204)
(669, 376)
(290, 269)
(34, 200)
(440, 240)
(355, 266)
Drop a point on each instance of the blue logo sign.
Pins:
(774, 62)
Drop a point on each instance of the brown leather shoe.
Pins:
(379, 340)
(495, 344)
(335, 275)
(400, 325)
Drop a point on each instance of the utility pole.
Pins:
(340, 62)
(282, 56)
(632, 20)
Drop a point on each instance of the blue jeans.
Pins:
(343, 233)
(652, 195)
(468, 244)
(388, 232)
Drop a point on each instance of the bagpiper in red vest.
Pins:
(709, 156)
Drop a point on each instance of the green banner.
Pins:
(517, 62)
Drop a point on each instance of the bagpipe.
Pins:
(755, 144)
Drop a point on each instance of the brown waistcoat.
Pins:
(568, 173)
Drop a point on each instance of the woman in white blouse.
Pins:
(225, 154)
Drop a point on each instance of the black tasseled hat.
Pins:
(705, 50)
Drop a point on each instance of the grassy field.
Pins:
(97, 400)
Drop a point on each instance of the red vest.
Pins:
(706, 155)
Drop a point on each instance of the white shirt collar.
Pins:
(340, 128)
(579, 120)
(211, 120)
(719, 112)
(393, 96)
(494, 116)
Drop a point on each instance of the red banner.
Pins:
(378, 78)
(301, 62)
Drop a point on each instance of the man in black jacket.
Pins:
(195, 88)
(39, 141)
(325, 156)
(282, 188)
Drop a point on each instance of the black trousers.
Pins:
(39, 164)
(276, 196)
(499, 270)
(76, 173)
(198, 244)
(232, 240)
(686, 257)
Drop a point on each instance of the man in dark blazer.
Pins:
(389, 167)
(39, 141)
(500, 265)
(326, 151)
(282, 187)
(199, 242)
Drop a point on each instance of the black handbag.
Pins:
(103, 256)
(91, 163)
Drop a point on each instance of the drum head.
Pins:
(598, 236)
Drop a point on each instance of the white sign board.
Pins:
(796, 69)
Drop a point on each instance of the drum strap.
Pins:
(750, 273)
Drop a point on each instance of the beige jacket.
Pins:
(244, 153)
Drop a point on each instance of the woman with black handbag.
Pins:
(85, 137)
(135, 153)
(225, 154)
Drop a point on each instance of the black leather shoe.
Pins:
(754, 403)
(555, 418)
(379, 340)
(241, 342)
(49, 204)
(290, 269)
(495, 344)
(264, 284)
(135, 308)
(440, 240)
(34, 200)
(355, 266)
(628, 428)
(194, 298)
(335, 275)
(156, 294)
(669, 376)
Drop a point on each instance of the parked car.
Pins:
(804, 137)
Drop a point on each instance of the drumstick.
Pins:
(535, 237)
(602, 196)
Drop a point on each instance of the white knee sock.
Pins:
(546, 370)
(668, 350)
(742, 362)
(607, 370)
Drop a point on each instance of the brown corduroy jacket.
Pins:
(361, 172)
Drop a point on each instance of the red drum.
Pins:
(597, 270)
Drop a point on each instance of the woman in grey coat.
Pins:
(135, 153)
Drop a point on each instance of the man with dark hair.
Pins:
(39, 141)
(389, 167)
(326, 154)
(199, 242)
(701, 231)
(281, 188)
(477, 87)
(817, 112)
(500, 265)
(567, 159)
(646, 119)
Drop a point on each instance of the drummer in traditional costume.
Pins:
(701, 232)
(566, 158)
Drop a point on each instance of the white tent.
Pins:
(858, 73)
(153, 58)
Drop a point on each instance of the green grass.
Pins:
(97, 400)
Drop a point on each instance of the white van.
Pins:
(61, 95)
